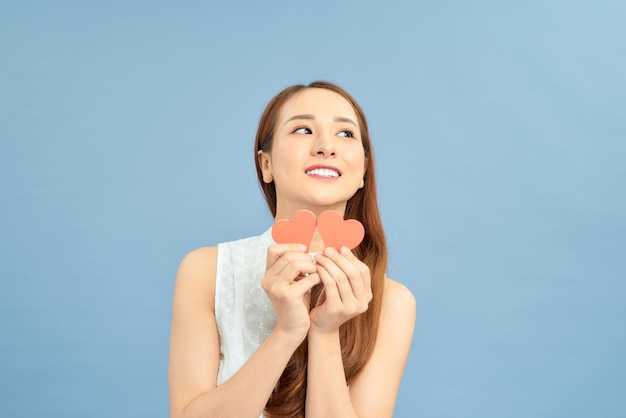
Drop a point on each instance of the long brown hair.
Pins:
(358, 335)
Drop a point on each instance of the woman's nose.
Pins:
(324, 146)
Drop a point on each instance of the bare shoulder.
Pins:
(399, 302)
(196, 274)
(200, 258)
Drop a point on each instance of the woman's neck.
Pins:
(288, 212)
(317, 244)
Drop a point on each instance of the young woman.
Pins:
(279, 330)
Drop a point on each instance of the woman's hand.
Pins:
(347, 289)
(289, 276)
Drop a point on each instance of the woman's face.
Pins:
(317, 160)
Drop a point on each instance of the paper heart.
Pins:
(337, 232)
(299, 230)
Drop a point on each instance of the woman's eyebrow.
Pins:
(296, 117)
(342, 119)
(312, 117)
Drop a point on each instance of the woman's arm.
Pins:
(373, 392)
(194, 344)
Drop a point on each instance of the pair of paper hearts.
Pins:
(335, 231)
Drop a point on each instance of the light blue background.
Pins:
(126, 135)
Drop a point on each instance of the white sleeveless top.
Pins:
(243, 312)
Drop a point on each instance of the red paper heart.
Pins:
(299, 230)
(337, 232)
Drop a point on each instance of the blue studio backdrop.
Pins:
(126, 140)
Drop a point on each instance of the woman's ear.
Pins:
(265, 163)
(364, 173)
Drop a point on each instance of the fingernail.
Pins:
(330, 251)
(317, 257)
(345, 250)
(302, 247)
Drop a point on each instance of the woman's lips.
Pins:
(323, 171)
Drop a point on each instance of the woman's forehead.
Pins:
(319, 103)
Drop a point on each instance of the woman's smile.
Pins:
(323, 172)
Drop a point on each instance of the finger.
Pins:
(288, 269)
(332, 298)
(338, 275)
(292, 264)
(274, 252)
(306, 283)
(364, 272)
(348, 255)
(346, 274)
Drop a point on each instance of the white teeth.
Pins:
(323, 172)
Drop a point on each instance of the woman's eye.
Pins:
(304, 131)
(346, 133)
